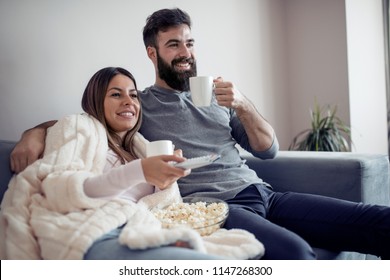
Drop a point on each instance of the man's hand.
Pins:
(228, 95)
(260, 132)
(30, 147)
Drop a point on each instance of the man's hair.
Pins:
(162, 20)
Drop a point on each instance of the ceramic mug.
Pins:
(160, 147)
(201, 88)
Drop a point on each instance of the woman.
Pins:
(86, 198)
(122, 119)
(111, 97)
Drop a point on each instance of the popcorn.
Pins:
(205, 217)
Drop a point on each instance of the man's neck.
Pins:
(162, 84)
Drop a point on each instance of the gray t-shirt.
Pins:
(171, 115)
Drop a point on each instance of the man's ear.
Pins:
(152, 53)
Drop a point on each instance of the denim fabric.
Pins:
(108, 248)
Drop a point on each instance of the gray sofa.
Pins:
(355, 177)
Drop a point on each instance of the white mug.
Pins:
(201, 88)
(160, 147)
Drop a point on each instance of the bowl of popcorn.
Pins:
(203, 214)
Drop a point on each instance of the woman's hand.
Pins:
(158, 170)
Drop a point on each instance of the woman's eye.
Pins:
(133, 95)
(115, 94)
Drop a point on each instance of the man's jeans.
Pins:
(290, 224)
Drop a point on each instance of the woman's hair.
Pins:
(93, 104)
(162, 20)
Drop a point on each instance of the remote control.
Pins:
(197, 161)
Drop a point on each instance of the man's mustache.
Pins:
(181, 60)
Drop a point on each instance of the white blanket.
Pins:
(46, 215)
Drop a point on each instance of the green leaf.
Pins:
(327, 133)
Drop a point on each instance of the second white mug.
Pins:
(160, 147)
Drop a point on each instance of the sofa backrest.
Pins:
(5, 171)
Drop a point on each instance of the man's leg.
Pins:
(248, 210)
(279, 243)
(333, 223)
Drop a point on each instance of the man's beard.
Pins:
(175, 79)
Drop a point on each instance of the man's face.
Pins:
(175, 57)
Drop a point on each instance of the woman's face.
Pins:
(121, 105)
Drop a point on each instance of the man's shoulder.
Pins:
(146, 90)
(144, 93)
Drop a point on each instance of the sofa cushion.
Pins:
(351, 176)
(6, 174)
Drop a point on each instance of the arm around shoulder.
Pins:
(30, 147)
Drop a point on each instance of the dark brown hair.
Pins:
(92, 103)
(162, 20)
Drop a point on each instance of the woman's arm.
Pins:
(155, 171)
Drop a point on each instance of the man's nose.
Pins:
(185, 51)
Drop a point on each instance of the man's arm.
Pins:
(30, 147)
(260, 132)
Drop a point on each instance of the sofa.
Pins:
(351, 176)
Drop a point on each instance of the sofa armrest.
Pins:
(350, 176)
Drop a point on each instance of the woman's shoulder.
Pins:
(76, 123)
(77, 128)
(75, 117)
(80, 120)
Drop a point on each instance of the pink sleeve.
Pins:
(115, 181)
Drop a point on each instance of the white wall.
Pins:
(50, 48)
(281, 53)
(367, 80)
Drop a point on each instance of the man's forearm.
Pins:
(44, 126)
(39, 129)
(260, 132)
(30, 147)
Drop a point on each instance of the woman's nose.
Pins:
(128, 100)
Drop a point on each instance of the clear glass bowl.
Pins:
(203, 214)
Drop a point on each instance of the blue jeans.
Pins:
(290, 224)
(108, 248)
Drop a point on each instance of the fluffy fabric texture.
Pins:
(46, 215)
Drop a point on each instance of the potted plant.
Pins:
(327, 133)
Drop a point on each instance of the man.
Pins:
(288, 224)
